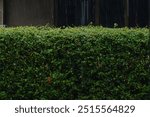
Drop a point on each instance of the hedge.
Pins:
(74, 63)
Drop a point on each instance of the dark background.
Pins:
(75, 12)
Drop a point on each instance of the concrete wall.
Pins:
(74, 12)
(29, 12)
(1, 12)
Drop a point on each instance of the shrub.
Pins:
(74, 63)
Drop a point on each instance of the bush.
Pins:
(74, 63)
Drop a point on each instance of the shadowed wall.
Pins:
(29, 12)
(1, 12)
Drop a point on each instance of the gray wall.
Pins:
(1, 12)
(29, 12)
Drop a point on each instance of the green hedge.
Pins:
(74, 63)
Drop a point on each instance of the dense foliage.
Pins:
(74, 63)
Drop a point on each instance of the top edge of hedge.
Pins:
(70, 28)
(86, 32)
(83, 30)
